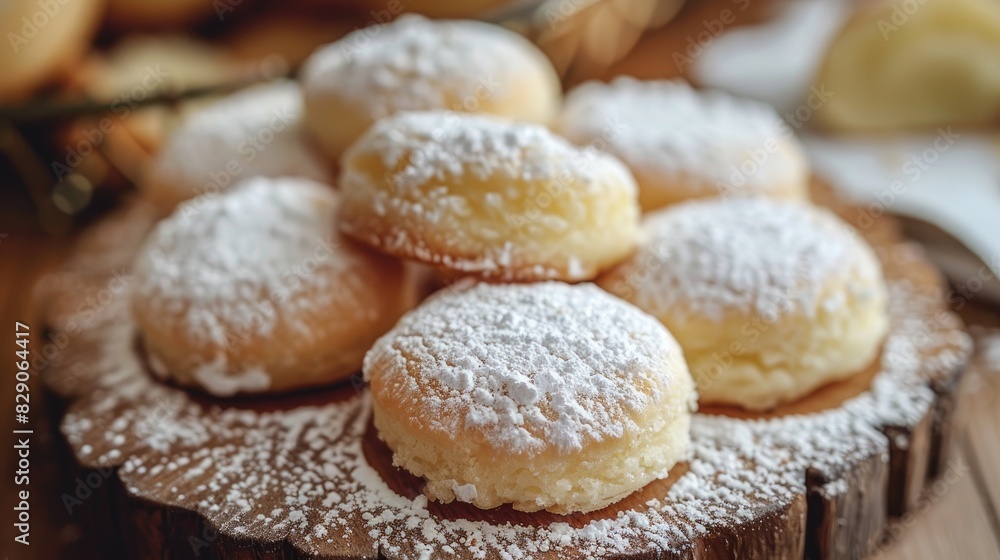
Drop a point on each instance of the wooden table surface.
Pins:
(959, 518)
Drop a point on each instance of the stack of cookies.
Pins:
(301, 217)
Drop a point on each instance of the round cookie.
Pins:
(254, 132)
(476, 195)
(255, 291)
(681, 143)
(415, 64)
(545, 396)
(915, 66)
(769, 299)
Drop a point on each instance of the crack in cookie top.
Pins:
(529, 367)
(414, 64)
(667, 126)
(754, 255)
(230, 262)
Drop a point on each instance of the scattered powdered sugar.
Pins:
(417, 64)
(529, 366)
(465, 492)
(217, 379)
(673, 130)
(283, 470)
(254, 132)
(422, 148)
(758, 255)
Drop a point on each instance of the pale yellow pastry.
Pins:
(415, 64)
(254, 132)
(545, 396)
(257, 292)
(916, 64)
(681, 143)
(769, 299)
(476, 195)
(41, 40)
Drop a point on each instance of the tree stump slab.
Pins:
(305, 476)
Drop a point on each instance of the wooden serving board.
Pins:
(173, 474)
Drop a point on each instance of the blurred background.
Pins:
(141, 65)
(91, 88)
(897, 103)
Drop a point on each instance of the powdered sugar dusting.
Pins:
(418, 148)
(417, 64)
(238, 267)
(530, 366)
(254, 132)
(520, 183)
(298, 472)
(765, 256)
(674, 130)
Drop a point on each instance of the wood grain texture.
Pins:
(983, 429)
(955, 524)
(951, 521)
(864, 458)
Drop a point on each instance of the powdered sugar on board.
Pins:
(286, 470)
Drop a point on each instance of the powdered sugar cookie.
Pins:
(546, 396)
(475, 195)
(257, 292)
(416, 64)
(254, 132)
(769, 299)
(682, 143)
